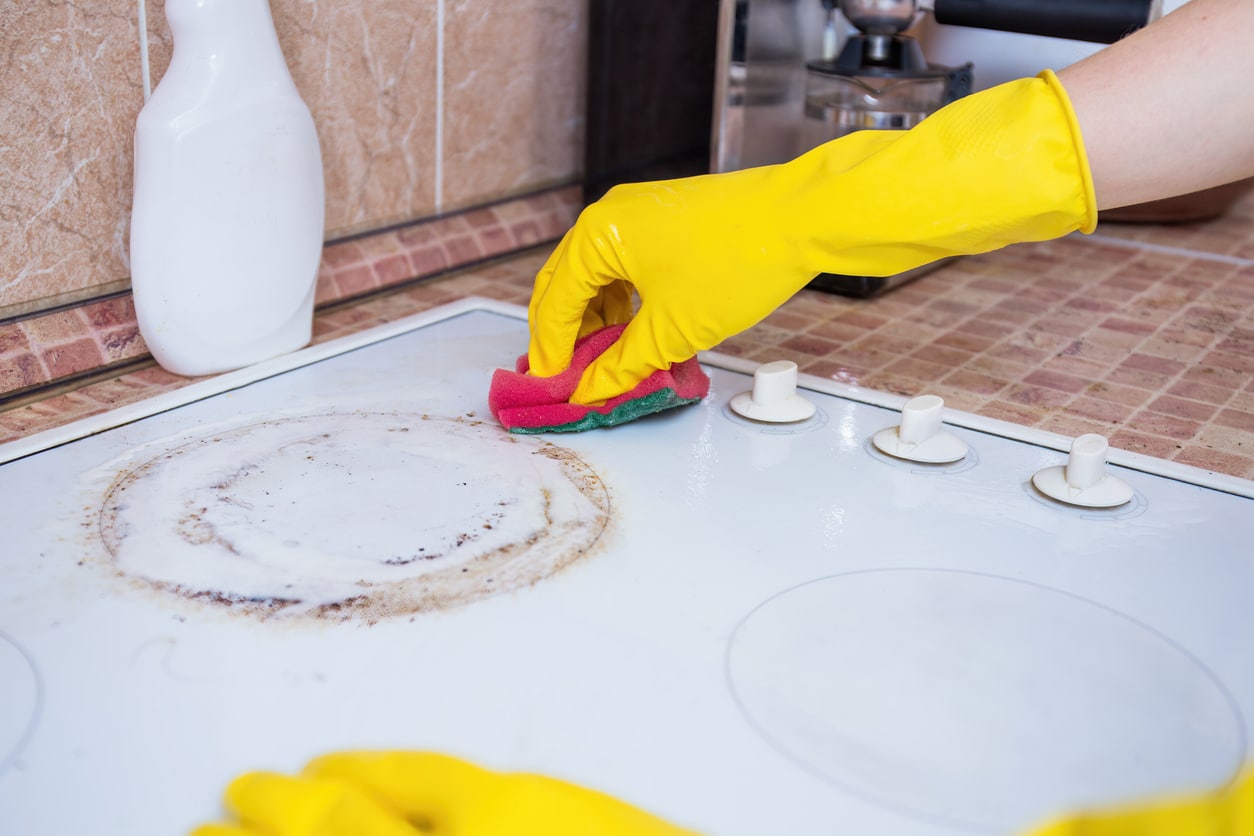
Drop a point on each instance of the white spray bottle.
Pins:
(227, 220)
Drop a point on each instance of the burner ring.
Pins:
(21, 700)
(978, 701)
(358, 515)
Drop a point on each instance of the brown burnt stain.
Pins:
(515, 566)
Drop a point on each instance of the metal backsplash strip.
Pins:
(45, 350)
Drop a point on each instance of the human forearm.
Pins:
(1169, 109)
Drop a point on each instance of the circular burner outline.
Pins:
(7, 759)
(502, 569)
(1242, 743)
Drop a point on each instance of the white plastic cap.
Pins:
(920, 419)
(774, 382)
(921, 436)
(1086, 464)
(1083, 480)
(774, 397)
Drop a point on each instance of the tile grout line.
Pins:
(439, 106)
(1167, 249)
(145, 70)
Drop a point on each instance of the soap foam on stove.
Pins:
(342, 515)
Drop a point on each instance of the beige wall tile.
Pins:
(369, 73)
(367, 70)
(71, 81)
(513, 100)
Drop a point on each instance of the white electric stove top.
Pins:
(744, 628)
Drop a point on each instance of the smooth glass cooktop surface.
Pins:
(747, 628)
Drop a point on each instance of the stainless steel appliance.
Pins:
(879, 80)
(746, 627)
(793, 74)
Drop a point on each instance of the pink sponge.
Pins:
(527, 404)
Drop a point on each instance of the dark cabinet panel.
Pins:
(650, 90)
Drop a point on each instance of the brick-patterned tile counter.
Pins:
(1151, 345)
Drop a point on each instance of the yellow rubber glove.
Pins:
(1227, 813)
(413, 793)
(711, 256)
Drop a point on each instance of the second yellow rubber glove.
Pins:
(711, 256)
(422, 794)
(1228, 812)
(414, 793)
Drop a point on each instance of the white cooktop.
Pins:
(744, 628)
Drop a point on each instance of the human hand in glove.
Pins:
(422, 794)
(415, 793)
(1228, 812)
(711, 256)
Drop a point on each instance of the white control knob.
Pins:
(921, 438)
(1084, 480)
(774, 397)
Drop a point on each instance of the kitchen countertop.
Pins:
(1144, 334)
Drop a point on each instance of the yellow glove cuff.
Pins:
(1086, 175)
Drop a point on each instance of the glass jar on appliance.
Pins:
(879, 80)
(837, 104)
